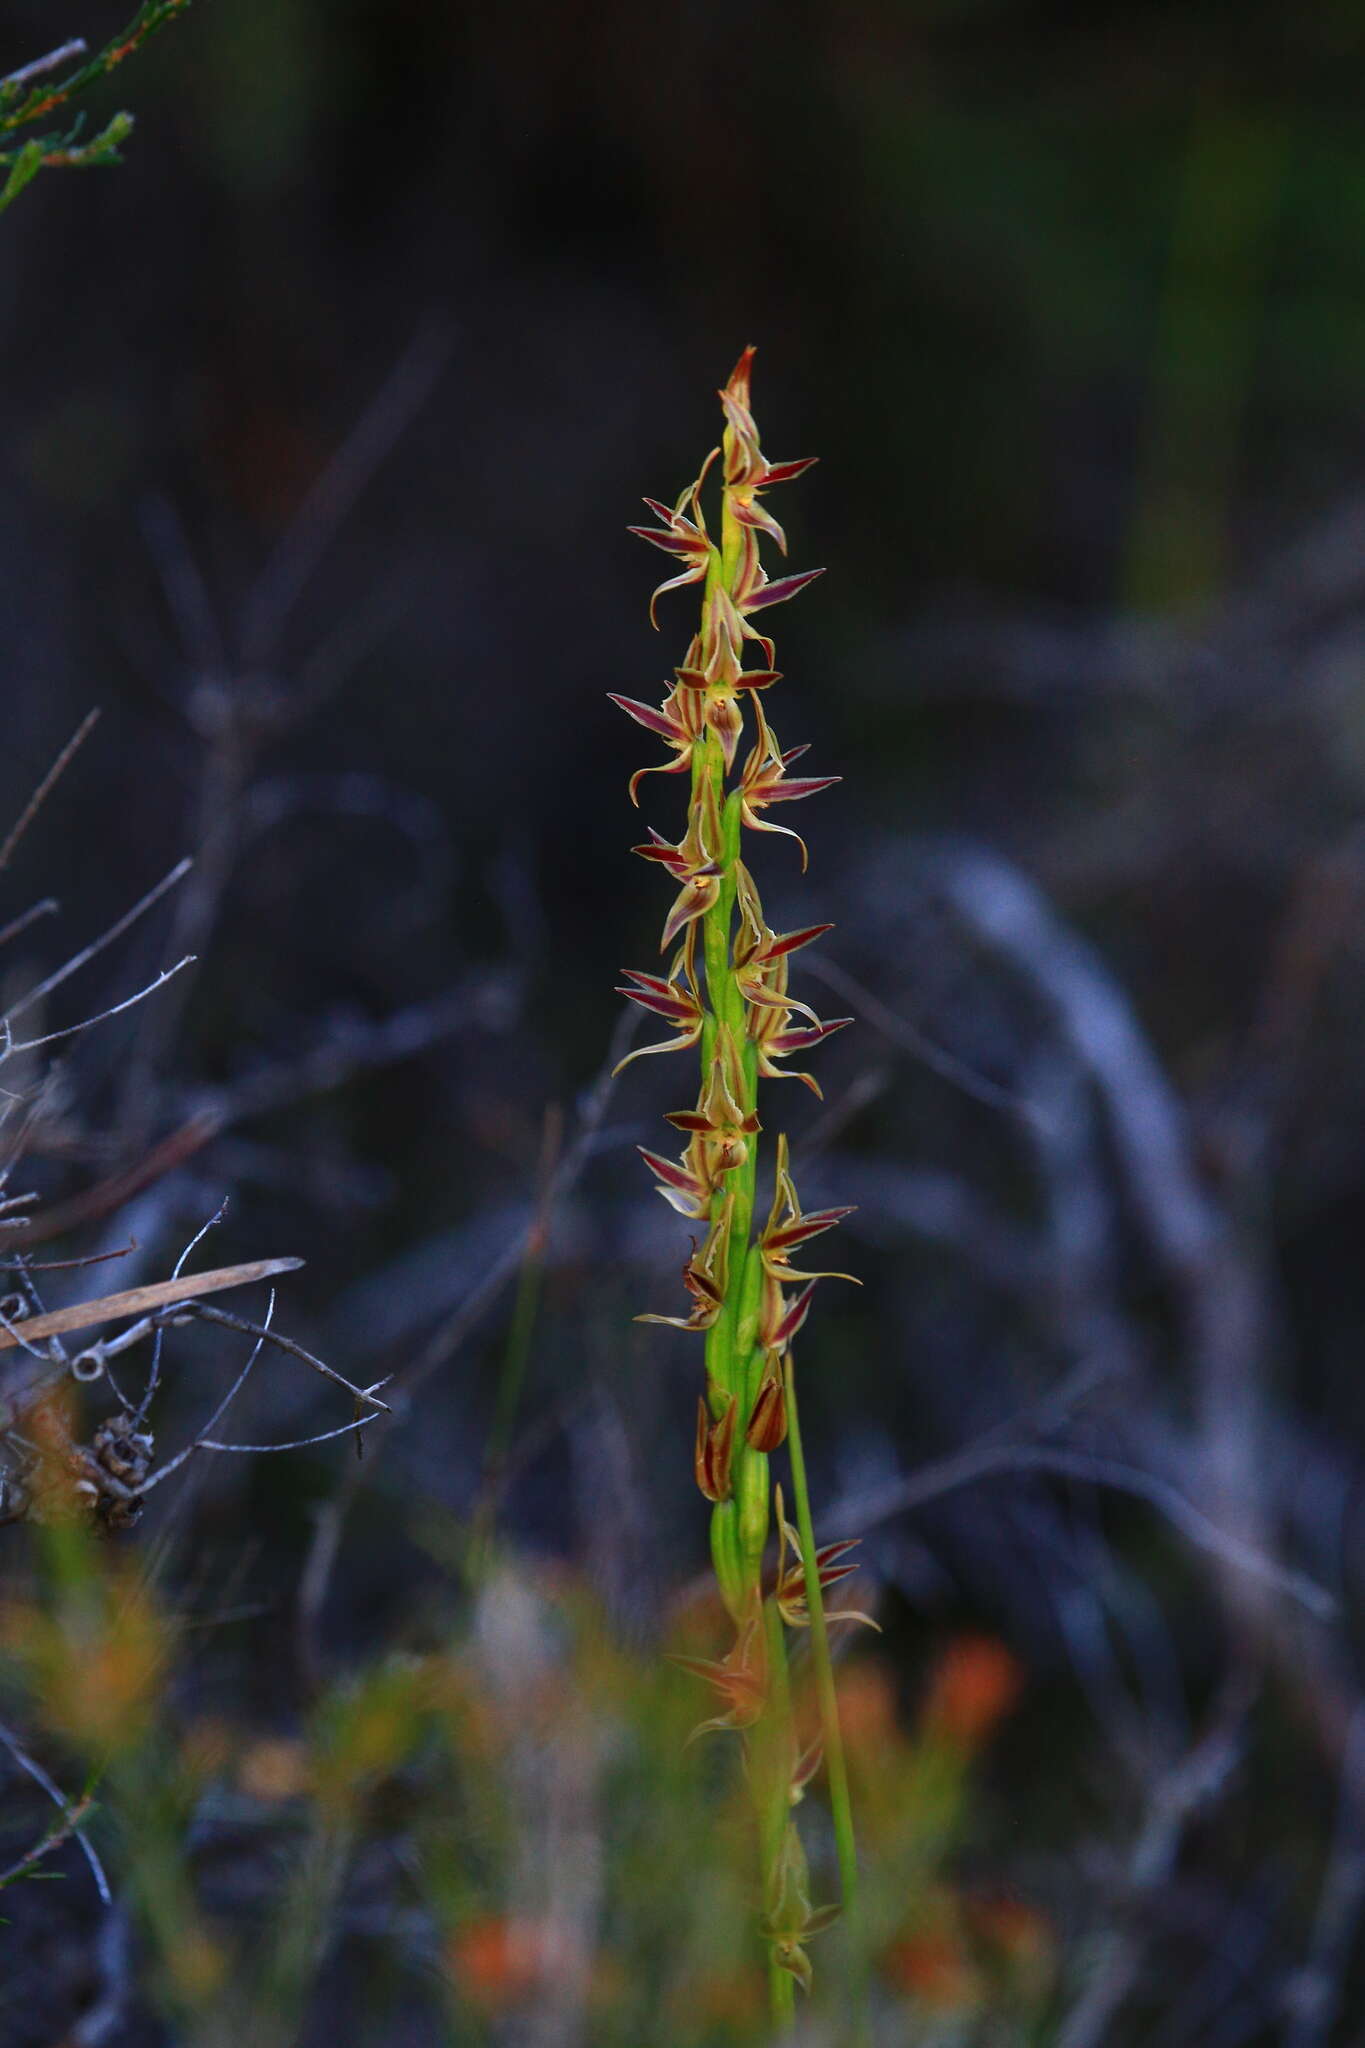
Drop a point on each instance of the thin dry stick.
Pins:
(63, 760)
(445, 1343)
(183, 586)
(407, 1032)
(299, 1443)
(900, 1032)
(174, 1464)
(239, 731)
(138, 1301)
(1320, 1991)
(108, 1196)
(28, 917)
(11, 1045)
(40, 66)
(392, 411)
(264, 1335)
(45, 100)
(982, 1460)
(97, 946)
(61, 1831)
(1175, 1799)
(158, 1342)
(204, 1314)
(27, 1265)
(450, 1334)
(54, 1792)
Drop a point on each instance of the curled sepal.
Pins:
(694, 899)
(753, 973)
(781, 1321)
(675, 1000)
(788, 1228)
(791, 1921)
(764, 592)
(761, 954)
(704, 1277)
(740, 1679)
(752, 591)
(681, 533)
(780, 1044)
(694, 861)
(762, 966)
(755, 591)
(749, 513)
(677, 722)
(684, 1184)
(792, 1592)
(715, 1450)
(765, 781)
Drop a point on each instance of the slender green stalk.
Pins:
(774, 1808)
(836, 1764)
(782, 1997)
(516, 1355)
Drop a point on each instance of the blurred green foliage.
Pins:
(508, 1820)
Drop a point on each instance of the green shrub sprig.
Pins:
(35, 93)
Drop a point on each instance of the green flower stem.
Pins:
(841, 1806)
(772, 1791)
(733, 1362)
(516, 1356)
(782, 1995)
(729, 1341)
(725, 1359)
(738, 1286)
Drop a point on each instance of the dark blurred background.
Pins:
(323, 420)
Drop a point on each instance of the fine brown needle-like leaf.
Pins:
(138, 1301)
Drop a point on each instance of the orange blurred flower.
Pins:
(1016, 1939)
(734, 1999)
(976, 1683)
(96, 1665)
(275, 1768)
(932, 1965)
(499, 1961)
(867, 1706)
